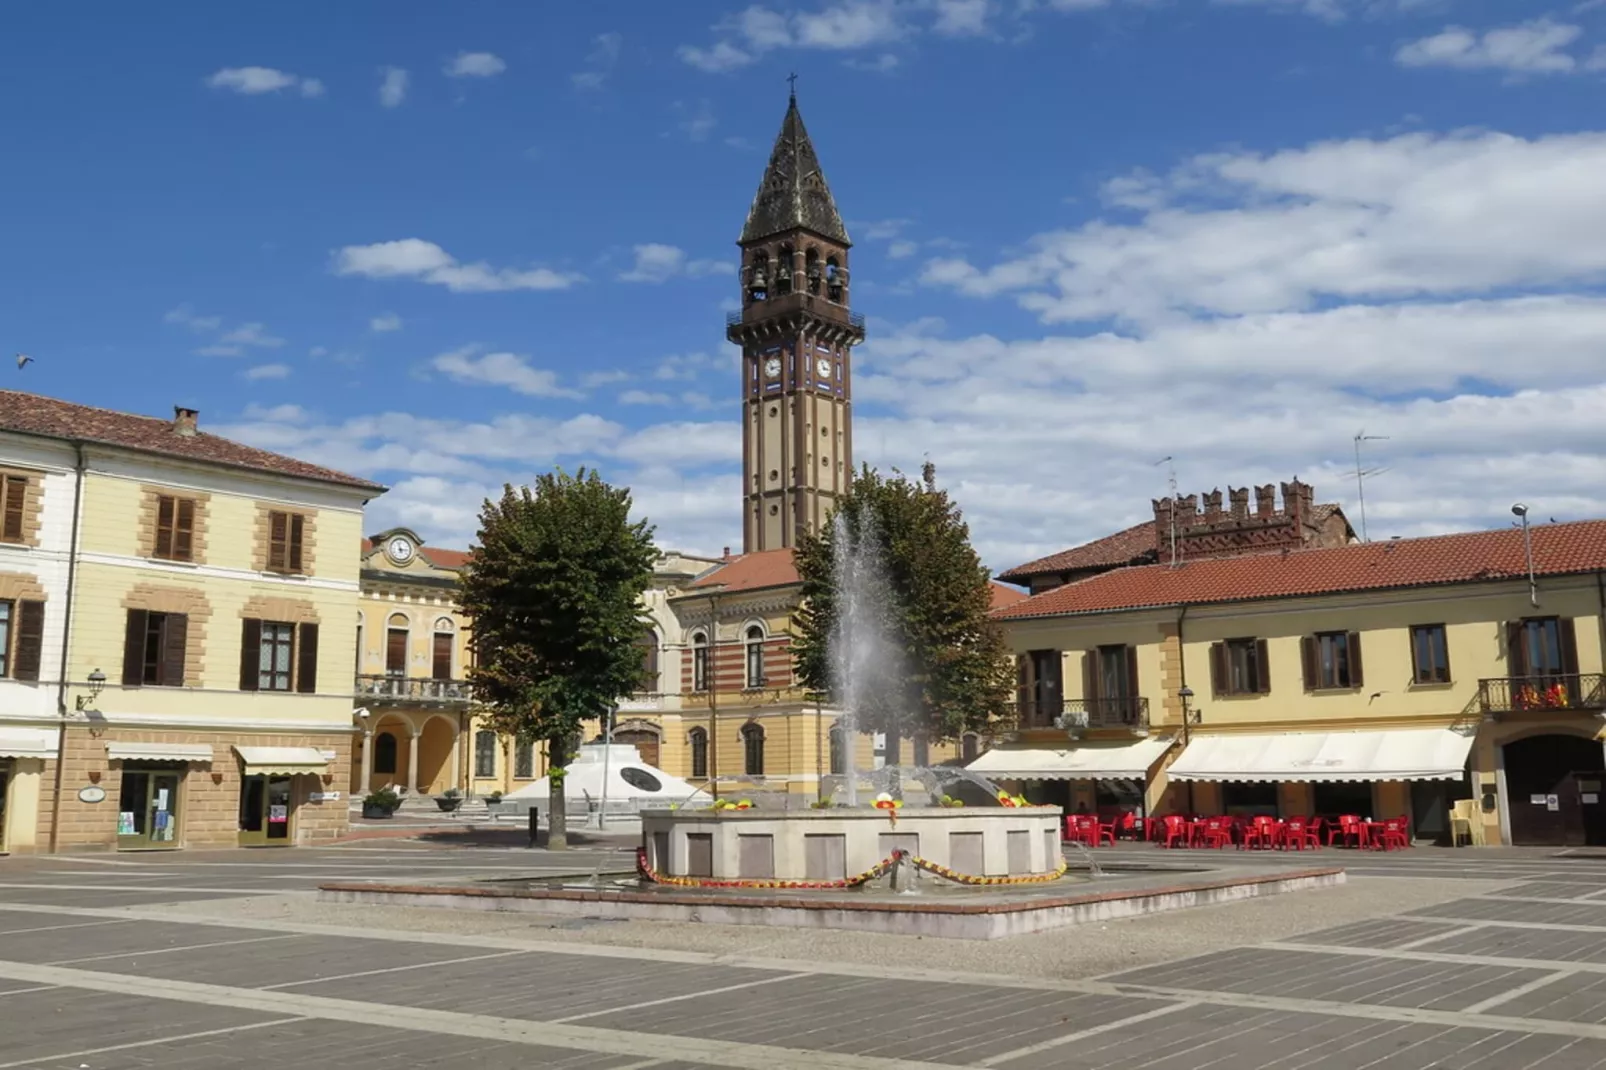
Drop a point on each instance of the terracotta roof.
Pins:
(452, 559)
(34, 414)
(1474, 557)
(1122, 548)
(1003, 595)
(750, 572)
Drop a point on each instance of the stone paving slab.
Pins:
(73, 898)
(934, 1022)
(1580, 997)
(1591, 914)
(1381, 934)
(1554, 889)
(37, 1025)
(1389, 982)
(1555, 945)
(56, 945)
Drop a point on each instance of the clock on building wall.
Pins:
(399, 549)
(823, 366)
(772, 368)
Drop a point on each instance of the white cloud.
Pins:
(962, 18)
(695, 122)
(500, 369)
(385, 322)
(600, 62)
(1534, 47)
(251, 334)
(475, 65)
(185, 316)
(424, 261)
(902, 249)
(844, 26)
(253, 81)
(659, 263)
(231, 343)
(267, 371)
(392, 87)
(644, 397)
(718, 58)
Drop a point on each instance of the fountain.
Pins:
(840, 845)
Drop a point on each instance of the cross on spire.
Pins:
(791, 80)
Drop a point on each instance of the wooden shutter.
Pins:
(1218, 669)
(1516, 653)
(134, 648)
(1419, 635)
(16, 496)
(278, 536)
(396, 651)
(1308, 662)
(442, 656)
(1568, 634)
(296, 522)
(1023, 683)
(30, 640)
(175, 635)
(184, 529)
(164, 526)
(1131, 654)
(250, 655)
(1357, 676)
(1090, 679)
(1262, 667)
(307, 658)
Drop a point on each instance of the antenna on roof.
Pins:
(1171, 509)
(1362, 474)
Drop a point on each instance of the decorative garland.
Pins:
(647, 873)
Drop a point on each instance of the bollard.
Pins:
(535, 826)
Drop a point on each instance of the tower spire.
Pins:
(793, 194)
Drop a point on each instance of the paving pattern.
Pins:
(92, 977)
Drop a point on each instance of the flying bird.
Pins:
(23, 361)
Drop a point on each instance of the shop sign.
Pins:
(278, 815)
(91, 793)
(324, 796)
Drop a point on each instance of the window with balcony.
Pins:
(1039, 691)
(1430, 654)
(753, 749)
(697, 741)
(1331, 661)
(1240, 667)
(441, 649)
(1542, 655)
(755, 657)
(1110, 685)
(396, 633)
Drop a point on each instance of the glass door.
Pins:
(147, 809)
(265, 811)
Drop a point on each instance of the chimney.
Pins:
(184, 420)
(1266, 501)
(725, 552)
(1239, 496)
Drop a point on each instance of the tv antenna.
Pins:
(1363, 474)
(1171, 508)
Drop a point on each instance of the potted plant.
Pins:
(381, 803)
(449, 800)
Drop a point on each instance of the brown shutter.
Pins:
(307, 658)
(1357, 676)
(30, 640)
(1516, 656)
(396, 651)
(278, 534)
(164, 527)
(1569, 646)
(442, 656)
(1262, 666)
(250, 655)
(16, 497)
(134, 648)
(175, 634)
(1419, 635)
(1023, 684)
(1090, 679)
(1218, 668)
(1307, 661)
(296, 522)
(1130, 707)
(184, 530)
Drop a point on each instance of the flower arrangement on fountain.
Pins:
(886, 802)
(949, 801)
(1006, 799)
(740, 804)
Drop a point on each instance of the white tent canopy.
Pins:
(1390, 754)
(1084, 761)
(631, 782)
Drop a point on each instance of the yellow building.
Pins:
(176, 612)
(1416, 677)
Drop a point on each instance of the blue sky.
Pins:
(446, 246)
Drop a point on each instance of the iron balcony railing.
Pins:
(414, 689)
(1072, 714)
(1558, 691)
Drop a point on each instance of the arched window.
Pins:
(812, 269)
(484, 753)
(359, 642)
(783, 269)
(969, 747)
(753, 749)
(697, 740)
(649, 660)
(524, 759)
(441, 652)
(834, 278)
(755, 657)
(699, 661)
(839, 751)
(385, 753)
(758, 283)
(396, 629)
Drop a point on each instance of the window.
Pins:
(640, 779)
(755, 657)
(699, 662)
(1038, 691)
(441, 650)
(13, 506)
(385, 753)
(396, 645)
(153, 649)
(1110, 685)
(524, 759)
(1240, 667)
(753, 749)
(278, 656)
(969, 747)
(839, 757)
(1542, 646)
(175, 528)
(649, 660)
(484, 753)
(1331, 660)
(1430, 654)
(284, 541)
(5, 638)
(697, 739)
(358, 669)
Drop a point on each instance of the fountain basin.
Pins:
(836, 844)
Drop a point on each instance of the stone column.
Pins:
(367, 760)
(412, 764)
(456, 760)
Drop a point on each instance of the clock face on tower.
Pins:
(399, 550)
(772, 368)
(823, 366)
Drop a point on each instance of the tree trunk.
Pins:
(890, 758)
(557, 836)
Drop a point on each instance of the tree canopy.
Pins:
(948, 669)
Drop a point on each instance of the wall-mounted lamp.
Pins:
(97, 684)
(1189, 716)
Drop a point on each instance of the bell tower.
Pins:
(797, 331)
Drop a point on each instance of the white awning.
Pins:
(1391, 754)
(159, 752)
(27, 742)
(282, 761)
(1083, 761)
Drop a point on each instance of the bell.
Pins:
(784, 274)
(758, 279)
(814, 271)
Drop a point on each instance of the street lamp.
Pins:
(711, 679)
(1189, 717)
(97, 684)
(1520, 511)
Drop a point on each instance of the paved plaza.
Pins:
(1425, 959)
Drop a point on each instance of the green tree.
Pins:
(948, 669)
(554, 589)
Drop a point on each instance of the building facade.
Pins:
(177, 671)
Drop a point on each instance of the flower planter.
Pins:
(448, 805)
(372, 813)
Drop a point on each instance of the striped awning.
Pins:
(27, 742)
(282, 761)
(159, 752)
(1387, 754)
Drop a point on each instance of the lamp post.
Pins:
(1189, 717)
(1520, 511)
(711, 679)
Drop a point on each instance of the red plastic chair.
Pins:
(1346, 830)
(1298, 835)
(1263, 831)
(1216, 832)
(1396, 834)
(1176, 829)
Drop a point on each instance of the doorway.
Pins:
(1431, 803)
(644, 740)
(1554, 790)
(266, 811)
(147, 808)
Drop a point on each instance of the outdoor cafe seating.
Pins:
(1245, 833)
